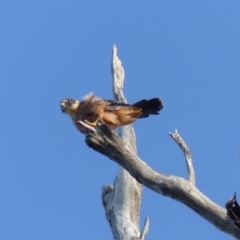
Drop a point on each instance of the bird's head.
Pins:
(70, 106)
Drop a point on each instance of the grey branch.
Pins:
(178, 139)
(145, 228)
(122, 200)
(117, 76)
(108, 143)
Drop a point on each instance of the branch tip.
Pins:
(186, 151)
(145, 228)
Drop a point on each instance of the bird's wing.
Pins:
(112, 105)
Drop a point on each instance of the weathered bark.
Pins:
(233, 209)
(122, 200)
(108, 143)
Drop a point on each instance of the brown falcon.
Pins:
(92, 110)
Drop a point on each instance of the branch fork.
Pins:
(184, 191)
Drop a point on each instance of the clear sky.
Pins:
(185, 52)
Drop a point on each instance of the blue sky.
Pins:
(185, 52)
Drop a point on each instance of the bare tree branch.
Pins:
(122, 200)
(108, 143)
(177, 138)
(145, 228)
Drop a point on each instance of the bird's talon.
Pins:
(93, 124)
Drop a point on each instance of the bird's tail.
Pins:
(152, 106)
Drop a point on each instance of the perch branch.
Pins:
(108, 143)
(178, 139)
(122, 200)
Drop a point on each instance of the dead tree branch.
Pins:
(122, 200)
(108, 143)
(177, 138)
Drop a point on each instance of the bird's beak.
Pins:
(63, 106)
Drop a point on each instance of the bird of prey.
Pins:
(114, 114)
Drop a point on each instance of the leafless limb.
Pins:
(109, 144)
(122, 200)
(178, 139)
(145, 228)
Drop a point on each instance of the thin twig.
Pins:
(178, 139)
(145, 228)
